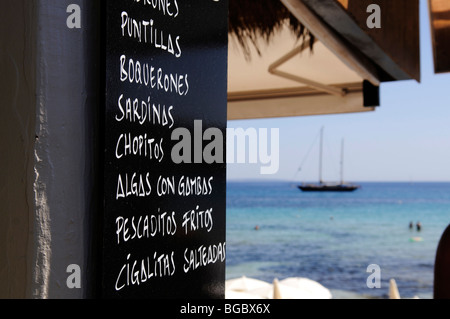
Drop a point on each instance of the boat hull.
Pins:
(328, 188)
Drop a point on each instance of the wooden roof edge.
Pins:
(334, 15)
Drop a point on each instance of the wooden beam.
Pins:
(294, 102)
(301, 91)
(344, 3)
(396, 45)
(394, 48)
(357, 62)
(289, 107)
(440, 34)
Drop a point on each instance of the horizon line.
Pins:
(354, 181)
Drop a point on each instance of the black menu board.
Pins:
(164, 187)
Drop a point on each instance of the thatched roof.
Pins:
(250, 20)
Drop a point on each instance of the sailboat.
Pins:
(329, 187)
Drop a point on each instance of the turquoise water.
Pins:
(333, 237)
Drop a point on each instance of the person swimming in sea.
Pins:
(418, 226)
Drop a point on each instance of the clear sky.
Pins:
(406, 139)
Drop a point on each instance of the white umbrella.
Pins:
(279, 291)
(244, 284)
(293, 288)
(312, 289)
(232, 294)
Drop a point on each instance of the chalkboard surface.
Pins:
(165, 82)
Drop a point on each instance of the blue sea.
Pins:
(333, 237)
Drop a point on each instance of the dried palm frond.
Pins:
(250, 20)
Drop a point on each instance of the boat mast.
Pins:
(342, 161)
(320, 156)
